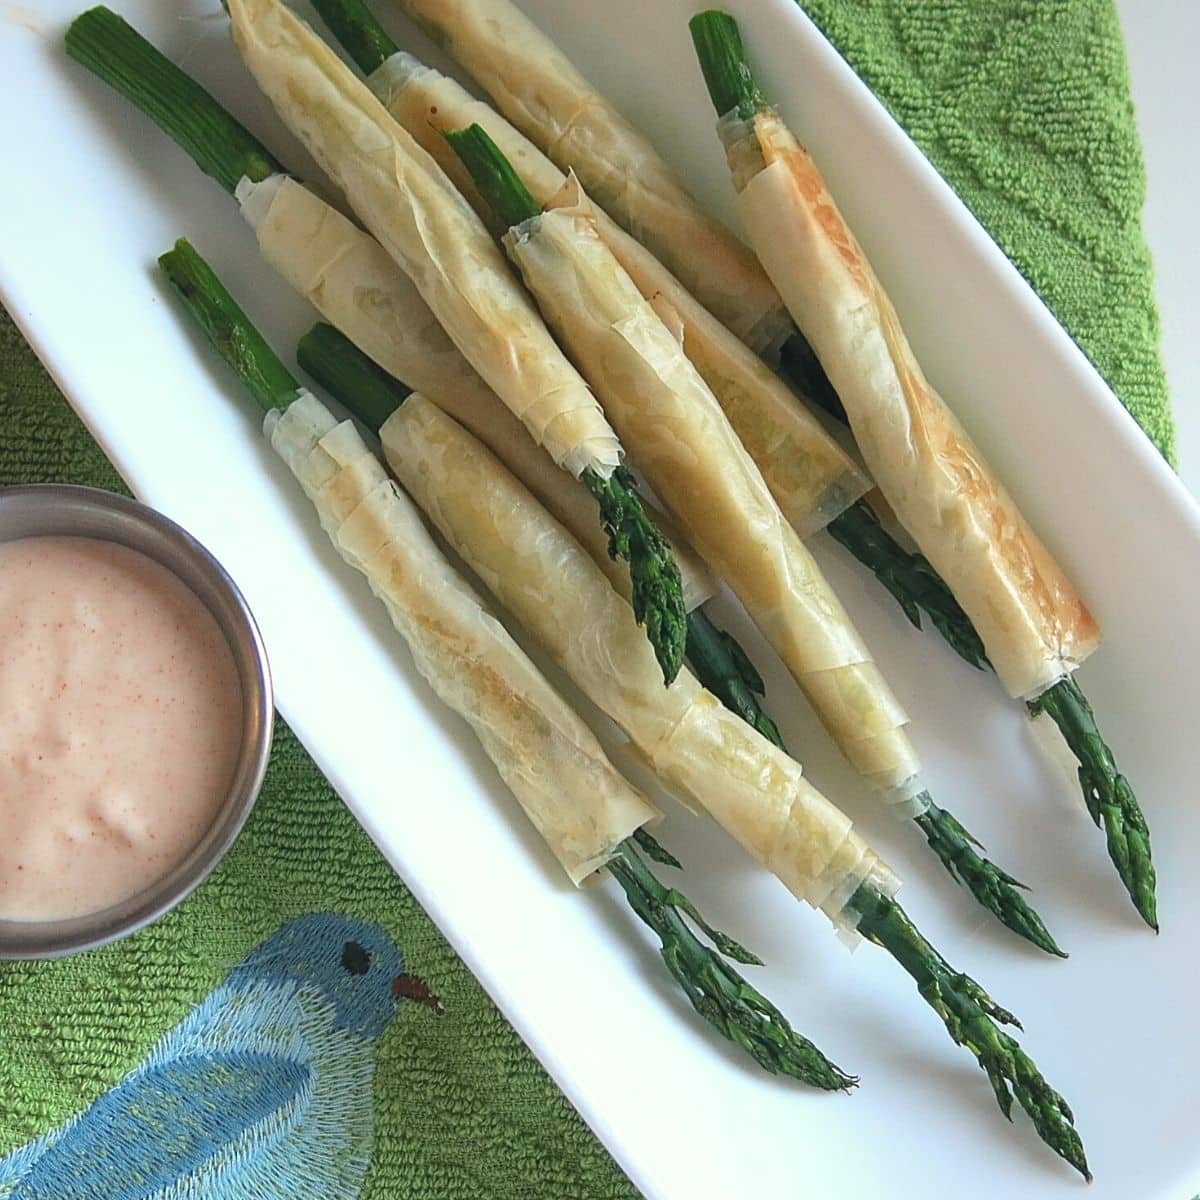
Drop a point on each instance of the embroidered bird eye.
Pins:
(355, 959)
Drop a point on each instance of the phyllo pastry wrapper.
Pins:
(682, 441)
(537, 88)
(580, 804)
(354, 284)
(401, 195)
(811, 477)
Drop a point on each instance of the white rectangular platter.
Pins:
(93, 193)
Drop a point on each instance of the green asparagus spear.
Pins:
(721, 665)
(799, 363)
(1106, 791)
(971, 1018)
(221, 147)
(717, 992)
(714, 988)
(909, 578)
(993, 887)
(360, 34)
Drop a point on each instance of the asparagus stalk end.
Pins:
(349, 375)
(228, 328)
(495, 177)
(727, 73)
(358, 30)
(221, 146)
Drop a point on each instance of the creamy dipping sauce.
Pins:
(120, 724)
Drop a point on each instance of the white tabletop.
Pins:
(1162, 36)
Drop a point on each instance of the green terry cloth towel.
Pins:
(1024, 107)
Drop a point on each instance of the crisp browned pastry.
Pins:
(1035, 626)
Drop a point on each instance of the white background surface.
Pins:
(1161, 36)
(577, 980)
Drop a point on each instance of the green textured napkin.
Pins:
(1024, 106)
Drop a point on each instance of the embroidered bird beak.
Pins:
(412, 987)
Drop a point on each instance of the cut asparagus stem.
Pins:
(632, 536)
(727, 73)
(1106, 792)
(993, 887)
(722, 667)
(344, 371)
(355, 27)
(714, 988)
(916, 585)
(799, 363)
(717, 992)
(118, 54)
(971, 1018)
(498, 182)
(236, 340)
(909, 577)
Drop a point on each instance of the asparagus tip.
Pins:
(1106, 792)
(723, 667)
(657, 589)
(971, 1018)
(716, 991)
(994, 888)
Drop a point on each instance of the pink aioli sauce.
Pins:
(120, 724)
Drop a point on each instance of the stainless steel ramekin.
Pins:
(52, 510)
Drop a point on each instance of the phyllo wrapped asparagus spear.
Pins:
(414, 211)
(351, 280)
(680, 438)
(753, 789)
(588, 814)
(1033, 622)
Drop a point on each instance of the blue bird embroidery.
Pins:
(264, 1090)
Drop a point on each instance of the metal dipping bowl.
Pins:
(46, 510)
